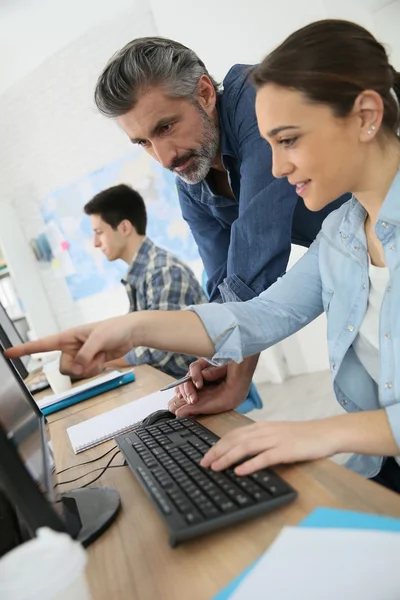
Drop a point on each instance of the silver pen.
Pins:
(175, 383)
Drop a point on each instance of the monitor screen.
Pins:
(9, 336)
(25, 427)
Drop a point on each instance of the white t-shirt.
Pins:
(366, 344)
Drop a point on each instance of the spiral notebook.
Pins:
(115, 422)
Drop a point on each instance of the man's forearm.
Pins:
(240, 375)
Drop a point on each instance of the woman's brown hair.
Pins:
(331, 62)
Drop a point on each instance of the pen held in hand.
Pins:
(176, 383)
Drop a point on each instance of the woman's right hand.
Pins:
(85, 349)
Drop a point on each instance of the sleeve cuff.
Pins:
(131, 358)
(223, 330)
(233, 289)
(393, 415)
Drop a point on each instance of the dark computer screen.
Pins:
(24, 426)
(9, 336)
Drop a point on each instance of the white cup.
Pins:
(49, 567)
(57, 381)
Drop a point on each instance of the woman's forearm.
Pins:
(366, 432)
(180, 331)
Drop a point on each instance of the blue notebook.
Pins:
(330, 518)
(52, 404)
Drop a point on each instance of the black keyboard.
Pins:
(193, 500)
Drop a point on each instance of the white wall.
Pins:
(52, 135)
(225, 32)
(33, 30)
(51, 52)
(387, 27)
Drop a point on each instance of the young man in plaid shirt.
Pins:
(155, 280)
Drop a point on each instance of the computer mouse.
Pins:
(157, 417)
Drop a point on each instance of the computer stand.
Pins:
(90, 511)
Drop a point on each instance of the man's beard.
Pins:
(201, 159)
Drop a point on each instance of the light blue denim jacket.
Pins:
(332, 277)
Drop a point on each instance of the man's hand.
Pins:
(216, 389)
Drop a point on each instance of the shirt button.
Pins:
(334, 366)
(391, 246)
(388, 385)
(350, 327)
(388, 289)
(387, 336)
(364, 286)
(357, 247)
(384, 225)
(343, 402)
(344, 236)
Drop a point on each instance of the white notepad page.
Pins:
(115, 422)
(326, 564)
(77, 389)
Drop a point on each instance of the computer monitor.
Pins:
(25, 474)
(9, 336)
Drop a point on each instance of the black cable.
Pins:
(87, 462)
(107, 467)
(102, 469)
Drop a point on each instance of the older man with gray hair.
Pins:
(242, 218)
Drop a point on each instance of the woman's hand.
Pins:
(270, 443)
(85, 349)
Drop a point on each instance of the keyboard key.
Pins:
(233, 491)
(207, 437)
(227, 506)
(243, 500)
(193, 517)
(260, 495)
(210, 512)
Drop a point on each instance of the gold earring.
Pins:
(371, 129)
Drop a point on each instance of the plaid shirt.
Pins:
(158, 280)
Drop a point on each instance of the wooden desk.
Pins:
(132, 560)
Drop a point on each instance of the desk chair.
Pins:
(253, 399)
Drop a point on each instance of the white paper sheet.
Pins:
(326, 564)
(99, 429)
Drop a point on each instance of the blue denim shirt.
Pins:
(245, 242)
(332, 277)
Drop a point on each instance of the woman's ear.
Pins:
(369, 109)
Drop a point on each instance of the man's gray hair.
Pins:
(144, 63)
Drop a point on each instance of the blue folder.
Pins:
(329, 518)
(96, 390)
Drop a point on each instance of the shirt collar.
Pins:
(140, 261)
(356, 215)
